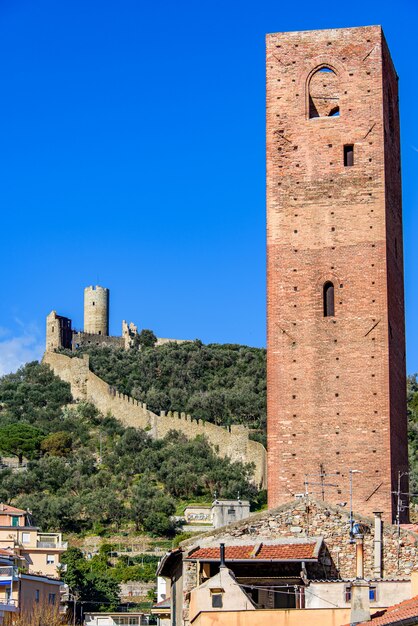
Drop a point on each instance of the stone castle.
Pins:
(233, 442)
(336, 337)
(60, 334)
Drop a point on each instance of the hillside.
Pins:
(89, 473)
(223, 384)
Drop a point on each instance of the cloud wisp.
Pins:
(17, 350)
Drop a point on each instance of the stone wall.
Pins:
(135, 590)
(96, 310)
(308, 518)
(302, 518)
(85, 385)
(81, 339)
(58, 332)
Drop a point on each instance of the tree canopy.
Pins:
(88, 472)
(20, 440)
(221, 383)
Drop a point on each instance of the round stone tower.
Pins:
(96, 310)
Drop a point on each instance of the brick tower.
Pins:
(336, 338)
(96, 310)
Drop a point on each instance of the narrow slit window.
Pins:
(349, 155)
(328, 295)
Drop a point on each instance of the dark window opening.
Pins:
(217, 600)
(93, 303)
(335, 112)
(349, 155)
(328, 298)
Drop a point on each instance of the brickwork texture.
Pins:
(336, 370)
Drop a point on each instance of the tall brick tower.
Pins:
(336, 338)
(96, 310)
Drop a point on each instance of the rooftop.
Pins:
(398, 614)
(6, 508)
(291, 551)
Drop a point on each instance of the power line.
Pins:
(273, 589)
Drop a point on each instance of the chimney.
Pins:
(414, 584)
(359, 557)
(222, 551)
(377, 570)
(360, 600)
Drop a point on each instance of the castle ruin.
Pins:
(61, 335)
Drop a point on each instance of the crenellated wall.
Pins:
(85, 385)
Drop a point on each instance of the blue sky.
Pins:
(132, 155)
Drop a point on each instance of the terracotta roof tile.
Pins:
(163, 604)
(6, 508)
(5, 552)
(281, 552)
(394, 614)
(287, 551)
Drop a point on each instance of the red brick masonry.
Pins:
(336, 384)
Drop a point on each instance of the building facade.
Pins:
(336, 339)
(297, 557)
(27, 594)
(40, 552)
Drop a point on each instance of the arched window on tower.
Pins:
(328, 298)
(323, 93)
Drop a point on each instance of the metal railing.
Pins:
(52, 544)
(8, 571)
(8, 602)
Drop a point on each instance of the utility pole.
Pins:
(74, 598)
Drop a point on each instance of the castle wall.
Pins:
(85, 385)
(81, 340)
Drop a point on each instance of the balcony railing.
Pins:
(61, 545)
(7, 604)
(8, 572)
